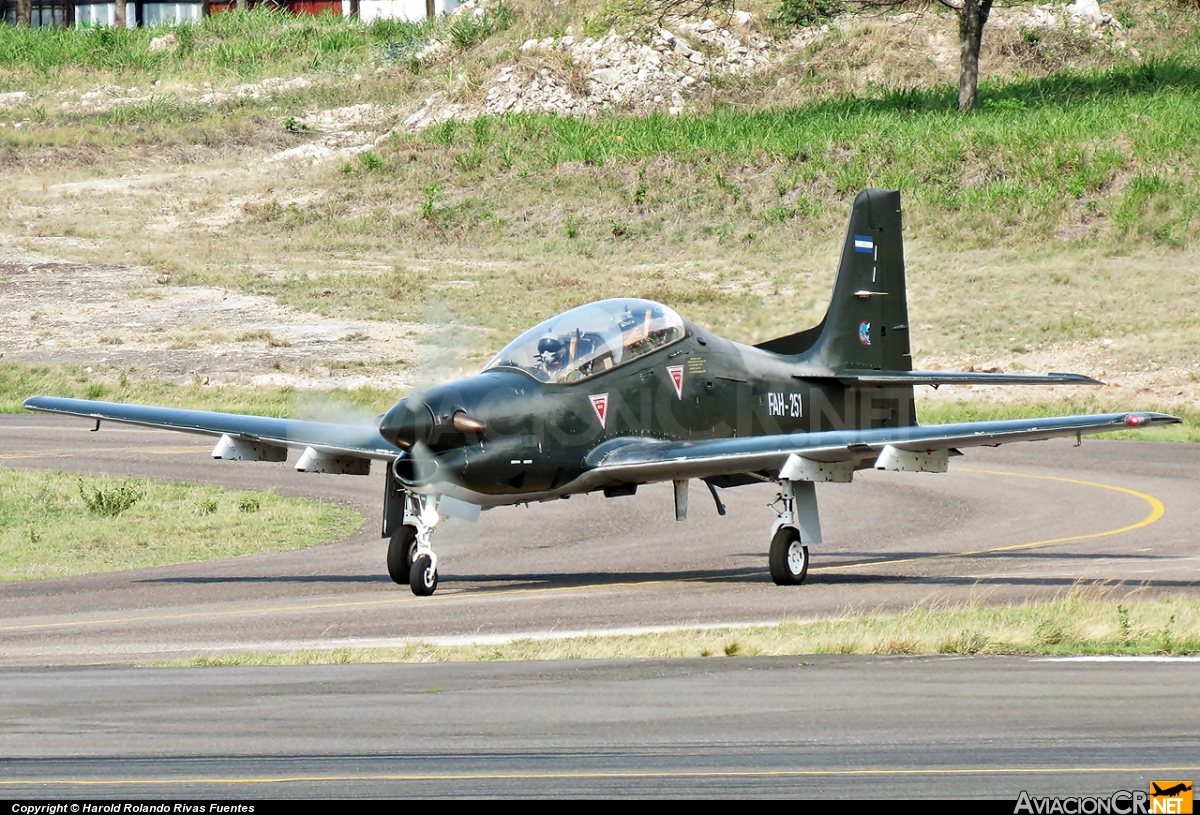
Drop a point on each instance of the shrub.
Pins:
(800, 13)
(113, 501)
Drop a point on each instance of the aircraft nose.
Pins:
(408, 422)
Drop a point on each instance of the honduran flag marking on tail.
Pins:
(864, 243)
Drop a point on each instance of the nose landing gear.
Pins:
(411, 558)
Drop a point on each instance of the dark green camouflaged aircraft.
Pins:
(624, 392)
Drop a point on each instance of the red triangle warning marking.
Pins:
(600, 405)
(676, 372)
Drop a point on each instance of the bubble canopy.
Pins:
(589, 340)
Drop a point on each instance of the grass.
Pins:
(1074, 624)
(1064, 149)
(56, 525)
(982, 411)
(19, 381)
(1090, 170)
(245, 45)
(1065, 211)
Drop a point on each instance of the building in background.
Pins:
(65, 12)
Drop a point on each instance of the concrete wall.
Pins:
(413, 10)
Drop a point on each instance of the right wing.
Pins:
(346, 441)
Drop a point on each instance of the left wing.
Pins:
(642, 461)
(334, 447)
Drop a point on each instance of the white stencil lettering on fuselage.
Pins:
(784, 404)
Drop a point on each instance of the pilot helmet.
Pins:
(552, 353)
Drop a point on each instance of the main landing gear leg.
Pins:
(411, 558)
(797, 526)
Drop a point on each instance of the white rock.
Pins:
(1043, 18)
(605, 76)
(1086, 11)
(167, 42)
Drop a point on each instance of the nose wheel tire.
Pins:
(400, 553)
(423, 577)
(788, 557)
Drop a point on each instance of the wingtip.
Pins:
(1150, 419)
(1079, 379)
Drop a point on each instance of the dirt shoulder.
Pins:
(117, 319)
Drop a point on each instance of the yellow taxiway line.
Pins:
(608, 774)
(1156, 511)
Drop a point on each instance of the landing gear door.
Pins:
(393, 503)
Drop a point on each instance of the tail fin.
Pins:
(866, 327)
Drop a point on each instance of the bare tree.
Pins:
(972, 16)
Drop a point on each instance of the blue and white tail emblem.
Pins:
(864, 243)
(864, 333)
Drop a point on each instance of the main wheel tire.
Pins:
(400, 553)
(788, 557)
(422, 577)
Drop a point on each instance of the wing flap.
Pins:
(356, 441)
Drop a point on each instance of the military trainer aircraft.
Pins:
(624, 392)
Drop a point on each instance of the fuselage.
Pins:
(538, 434)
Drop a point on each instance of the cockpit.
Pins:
(589, 340)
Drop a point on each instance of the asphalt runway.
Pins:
(1026, 521)
(1011, 523)
(818, 727)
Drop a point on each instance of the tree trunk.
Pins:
(971, 18)
(119, 17)
(24, 12)
(243, 5)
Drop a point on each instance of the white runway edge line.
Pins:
(1114, 658)
(457, 640)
